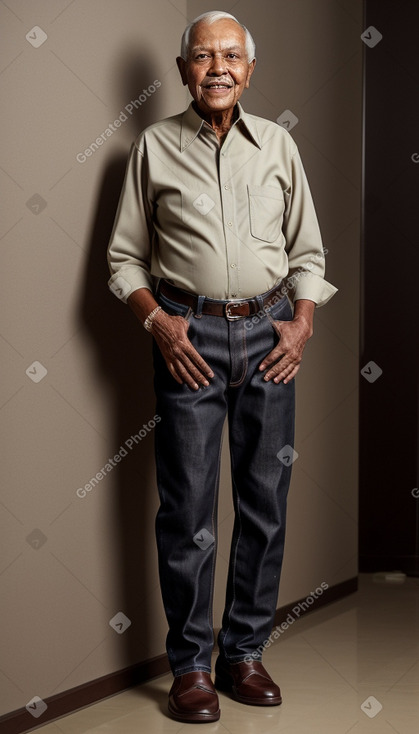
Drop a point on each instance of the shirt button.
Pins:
(230, 224)
(234, 295)
(226, 187)
(233, 265)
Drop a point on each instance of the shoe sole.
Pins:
(194, 718)
(228, 687)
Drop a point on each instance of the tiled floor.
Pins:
(350, 667)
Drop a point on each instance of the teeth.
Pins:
(218, 86)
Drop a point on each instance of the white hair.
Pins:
(209, 18)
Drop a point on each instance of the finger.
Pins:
(184, 371)
(195, 365)
(280, 370)
(184, 362)
(174, 373)
(289, 376)
(182, 376)
(292, 375)
(196, 376)
(276, 354)
(203, 368)
(190, 373)
(188, 355)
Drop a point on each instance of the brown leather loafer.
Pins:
(248, 682)
(193, 698)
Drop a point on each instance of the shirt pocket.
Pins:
(266, 209)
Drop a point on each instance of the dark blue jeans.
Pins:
(188, 447)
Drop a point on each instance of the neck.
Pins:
(220, 122)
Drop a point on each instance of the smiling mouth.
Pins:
(218, 86)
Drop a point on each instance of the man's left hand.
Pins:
(285, 358)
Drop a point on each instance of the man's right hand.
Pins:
(183, 361)
(170, 333)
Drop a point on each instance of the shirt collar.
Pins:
(192, 123)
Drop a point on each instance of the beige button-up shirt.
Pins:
(227, 221)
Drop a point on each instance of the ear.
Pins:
(181, 65)
(250, 72)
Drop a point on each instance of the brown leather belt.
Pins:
(237, 308)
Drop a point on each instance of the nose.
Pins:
(218, 65)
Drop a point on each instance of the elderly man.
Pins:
(214, 238)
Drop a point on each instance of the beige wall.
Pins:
(69, 564)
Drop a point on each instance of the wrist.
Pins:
(148, 322)
(304, 313)
(306, 323)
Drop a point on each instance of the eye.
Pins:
(232, 55)
(201, 56)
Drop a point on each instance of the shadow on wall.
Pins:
(124, 366)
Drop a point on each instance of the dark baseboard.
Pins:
(62, 704)
(86, 694)
(301, 607)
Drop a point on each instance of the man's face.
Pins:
(217, 70)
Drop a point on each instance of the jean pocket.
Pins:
(173, 308)
(280, 311)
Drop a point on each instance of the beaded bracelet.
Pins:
(148, 323)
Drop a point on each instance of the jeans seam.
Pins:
(234, 564)
(214, 558)
(237, 383)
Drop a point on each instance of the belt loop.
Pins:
(260, 303)
(200, 303)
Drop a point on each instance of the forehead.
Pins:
(220, 34)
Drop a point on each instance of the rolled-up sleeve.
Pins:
(129, 249)
(304, 245)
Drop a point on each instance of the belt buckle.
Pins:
(235, 305)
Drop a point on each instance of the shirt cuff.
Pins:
(313, 288)
(127, 280)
